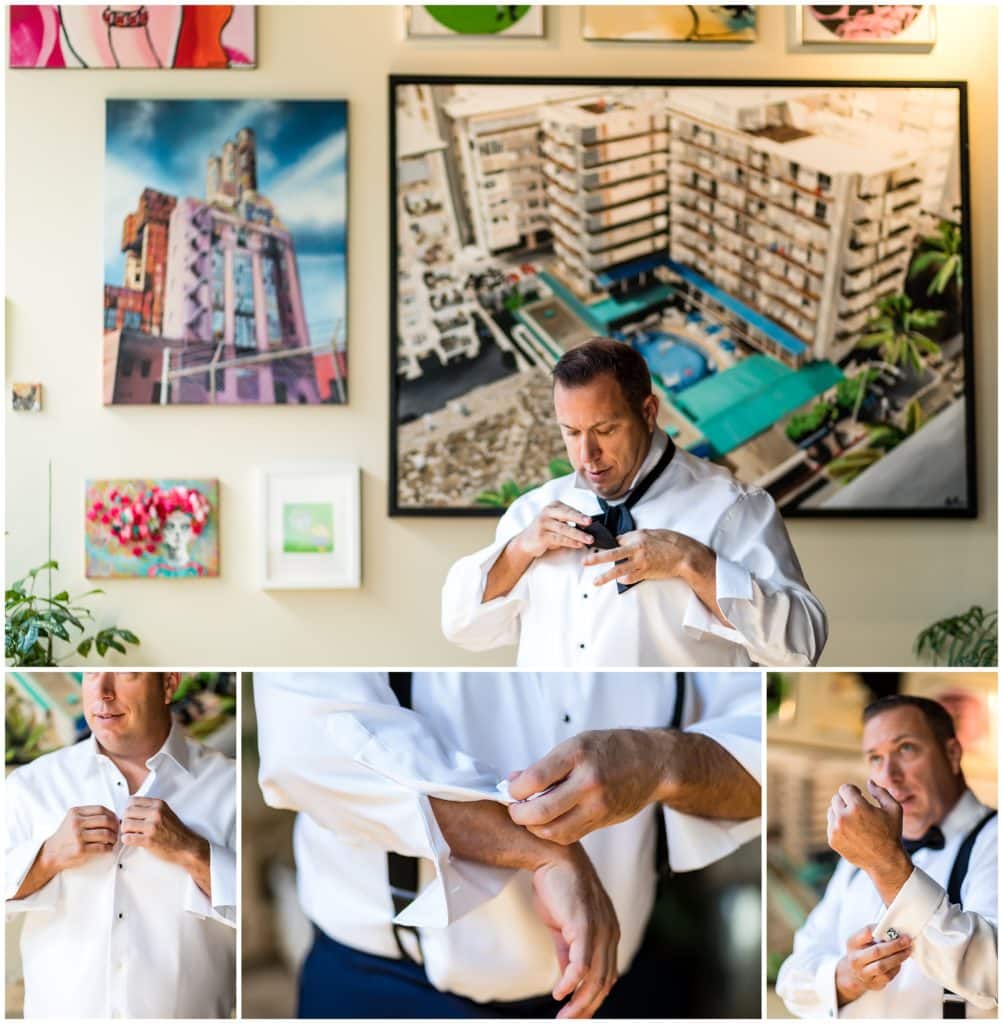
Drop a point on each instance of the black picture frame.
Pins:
(959, 508)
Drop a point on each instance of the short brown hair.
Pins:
(936, 715)
(597, 356)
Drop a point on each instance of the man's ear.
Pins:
(172, 680)
(650, 408)
(953, 750)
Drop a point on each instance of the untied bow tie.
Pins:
(615, 520)
(933, 838)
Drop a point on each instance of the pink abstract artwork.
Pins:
(132, 36)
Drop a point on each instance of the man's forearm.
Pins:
(482, 831)
(507, 570)
(197, 862)
(699, 570)
(700, 777)
(890, 875)
(41, 872)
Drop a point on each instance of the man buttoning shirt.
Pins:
(645, 555)
(531, 803)
(907, 926)
(121, 853)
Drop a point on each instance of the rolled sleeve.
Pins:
(221, 903)
(469, 621)
(761, 588)
(730, 714)
(363, 767)
(825, 986)
(17, 863)
(912, 907)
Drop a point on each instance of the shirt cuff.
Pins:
(459, 886)
(825, 985)
(732, 582)
(17, 863)
(695, 842)
(912, 907)
(221, 903)
(466, 618)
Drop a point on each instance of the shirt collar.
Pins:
(659, 441)
(175, 748)
(963, 816)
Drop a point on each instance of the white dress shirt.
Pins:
(126, 934)
(561, 620)
(952, 948)
(338, 748)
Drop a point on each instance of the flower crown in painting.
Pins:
(137, 523)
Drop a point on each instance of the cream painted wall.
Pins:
(880, 580)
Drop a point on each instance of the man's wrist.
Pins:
(665, 743)
(890, 873)
(848, 987)
(47, 861)
(698, 564)
(195, 854)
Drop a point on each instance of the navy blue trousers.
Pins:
(338, 981)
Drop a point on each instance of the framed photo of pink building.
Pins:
(310, 526)
(225, 252)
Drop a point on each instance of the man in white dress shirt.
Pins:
(121, 854)
(907, 926)
(523, 902)
(644, 555)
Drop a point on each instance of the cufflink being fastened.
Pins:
(890, 934)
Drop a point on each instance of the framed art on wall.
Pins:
(670, 23)
(853, 26)
(791, 258)
(225, 252)
(514, 21)
(310, 526)
(152, 528)
(159, 36)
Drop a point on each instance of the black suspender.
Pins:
(402, 871)
(661, 840)
(954, 1006)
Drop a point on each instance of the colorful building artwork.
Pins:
(132, 36)
(214, 305)
(781, 256)
(152, 528)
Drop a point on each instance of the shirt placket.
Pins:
(586, 603)
(121, 948)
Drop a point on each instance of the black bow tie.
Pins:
(933, 838)
(615, 520)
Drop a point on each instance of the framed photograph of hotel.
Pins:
(225, 252)
(791, 258)
(310, 525)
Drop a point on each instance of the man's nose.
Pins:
(104, 683)
(589, 448)
(891, 772)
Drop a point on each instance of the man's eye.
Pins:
(908, 748)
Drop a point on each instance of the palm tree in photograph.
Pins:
(897, 331)
(941, 253)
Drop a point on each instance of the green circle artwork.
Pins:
(307, 528)
(471, 20)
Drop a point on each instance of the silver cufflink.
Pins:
(891, 934)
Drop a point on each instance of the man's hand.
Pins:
(599, 778)
(151, 824)
(662, 555)
(554, 527)
(551, 529)
(870, 836)
(572, 903)
(868, 966)
(606, 776)
(85, 832)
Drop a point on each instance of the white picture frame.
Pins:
(310, 526)
(804, 33)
